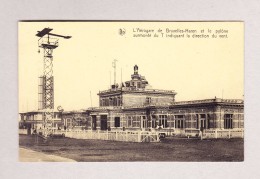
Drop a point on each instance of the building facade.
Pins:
(133, 105)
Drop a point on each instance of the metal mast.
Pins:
(114, 66)
(46, 86)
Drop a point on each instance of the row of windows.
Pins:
(112, 101)
(138, 84)
(178, 122)
(153, 117)
(202, 123)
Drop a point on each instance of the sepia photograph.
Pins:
(131, 91)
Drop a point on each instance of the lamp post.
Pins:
(60, 109)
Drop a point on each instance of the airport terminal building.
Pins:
(133, 105)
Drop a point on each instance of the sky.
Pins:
(196, 68)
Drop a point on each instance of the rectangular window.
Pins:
(179, 121)
(119, 101)
(136, 122)
(129, 121)
(163, 121)
(228, 121)
(138, 85)
(148, 100)
(106, 102)
(153, 123)
(117, 121)
(110, 101)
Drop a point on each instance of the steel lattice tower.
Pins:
(46, 86)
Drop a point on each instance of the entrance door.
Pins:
(202, 121)
(94, 122)
(117, 121)
(29, 127)
(103, 122)
(144, 123)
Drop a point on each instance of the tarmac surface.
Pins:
(26, 155)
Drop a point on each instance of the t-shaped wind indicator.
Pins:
(46, 86)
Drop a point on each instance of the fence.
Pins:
(126, 136)
(146, 136)
(224, 133)
(215, 133)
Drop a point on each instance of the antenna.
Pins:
(114, 66)
(121, 76)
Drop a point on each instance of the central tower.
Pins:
(136, 92)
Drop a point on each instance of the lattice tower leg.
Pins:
(48, 91)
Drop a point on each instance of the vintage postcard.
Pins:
(112, 91)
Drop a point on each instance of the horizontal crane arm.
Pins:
(66, 37)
